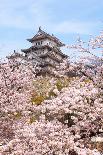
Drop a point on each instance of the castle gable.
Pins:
(42, 35)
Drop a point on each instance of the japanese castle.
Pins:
(45, 51)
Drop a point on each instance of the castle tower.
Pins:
(45, 51)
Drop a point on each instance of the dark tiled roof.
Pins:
(26, 50)
(15, 55)
(42, 35)
(50, 56)
(43, 47)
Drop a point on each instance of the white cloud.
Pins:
(29, 14)
(80, 27)
(23, 14)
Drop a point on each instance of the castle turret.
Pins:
(45, 50)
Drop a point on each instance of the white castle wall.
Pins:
(44, 42)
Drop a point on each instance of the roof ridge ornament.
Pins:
(39, 29)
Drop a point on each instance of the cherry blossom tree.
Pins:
(66, 124)
(90, 49)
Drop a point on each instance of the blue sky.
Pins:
(20, 19)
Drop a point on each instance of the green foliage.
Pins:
(51, 94)
(15, 115)
(61, 83)
(32, 119)
(37, 100)
(43, 89)
(42, 85)
(87, 81)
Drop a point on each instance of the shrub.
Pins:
(32, 119)
(51, 94)
(37, 100)
(17, 115)
(61, 83)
